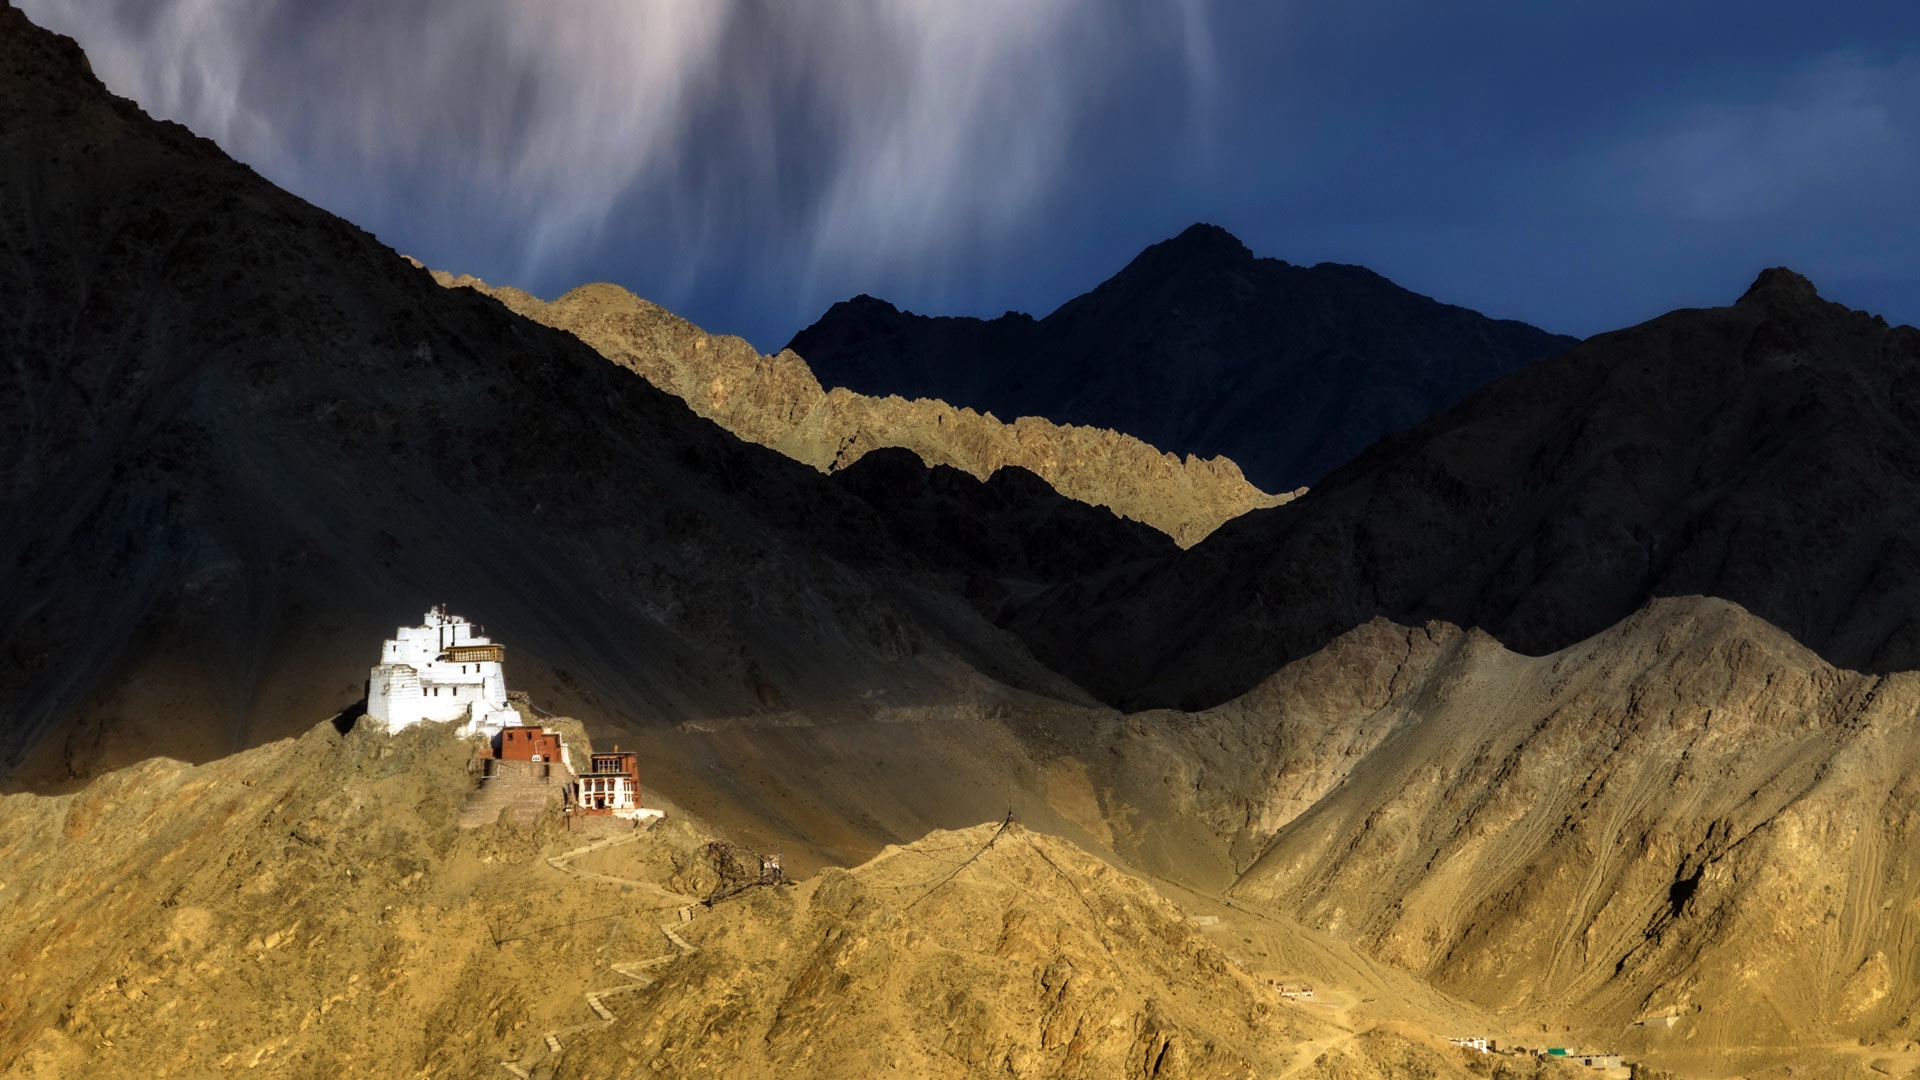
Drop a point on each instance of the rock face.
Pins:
(1199, 348)
(240, 440)
(776, 401)
(1763, 452)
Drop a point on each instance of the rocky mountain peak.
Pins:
(1197, 253)
(1197, 347)
(1202, 239)
(867, 302)
(1778, 285)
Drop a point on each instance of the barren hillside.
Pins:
(776, 401)
(311, 908)
(1688, 816)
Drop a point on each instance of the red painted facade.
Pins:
(528, 744)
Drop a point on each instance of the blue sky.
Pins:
(748, 162)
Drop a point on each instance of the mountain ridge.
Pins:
(777, 402)
(1196, 346)
(1764, 452)
(1688, 815)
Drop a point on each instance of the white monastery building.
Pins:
(441, 671)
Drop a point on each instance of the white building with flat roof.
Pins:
(439, 672)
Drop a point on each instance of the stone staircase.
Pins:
(523, 790)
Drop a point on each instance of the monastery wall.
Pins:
(412, 685)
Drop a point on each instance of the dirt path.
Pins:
(638, 973)
(563, 862)
(1335, 1007)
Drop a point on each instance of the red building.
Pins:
(528, 744)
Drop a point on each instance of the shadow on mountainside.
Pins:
(1767, 453)
(345, 720)
(241, 441)
(1200, 348)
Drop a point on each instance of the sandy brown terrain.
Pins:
(1689, 816)
(311, 908)
(776, 401)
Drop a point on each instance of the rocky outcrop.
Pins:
(776, 401)
(1199, 348)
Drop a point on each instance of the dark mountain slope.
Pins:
(1767, 453)
(240, 441)
(1199, 348)
(1011, 526)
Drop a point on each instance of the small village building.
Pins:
(518, 777)
(1608, 1063)
(610, 786)
(438, 672)
(531, 744)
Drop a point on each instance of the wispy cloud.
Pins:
(1837, 132)
(869, 131)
